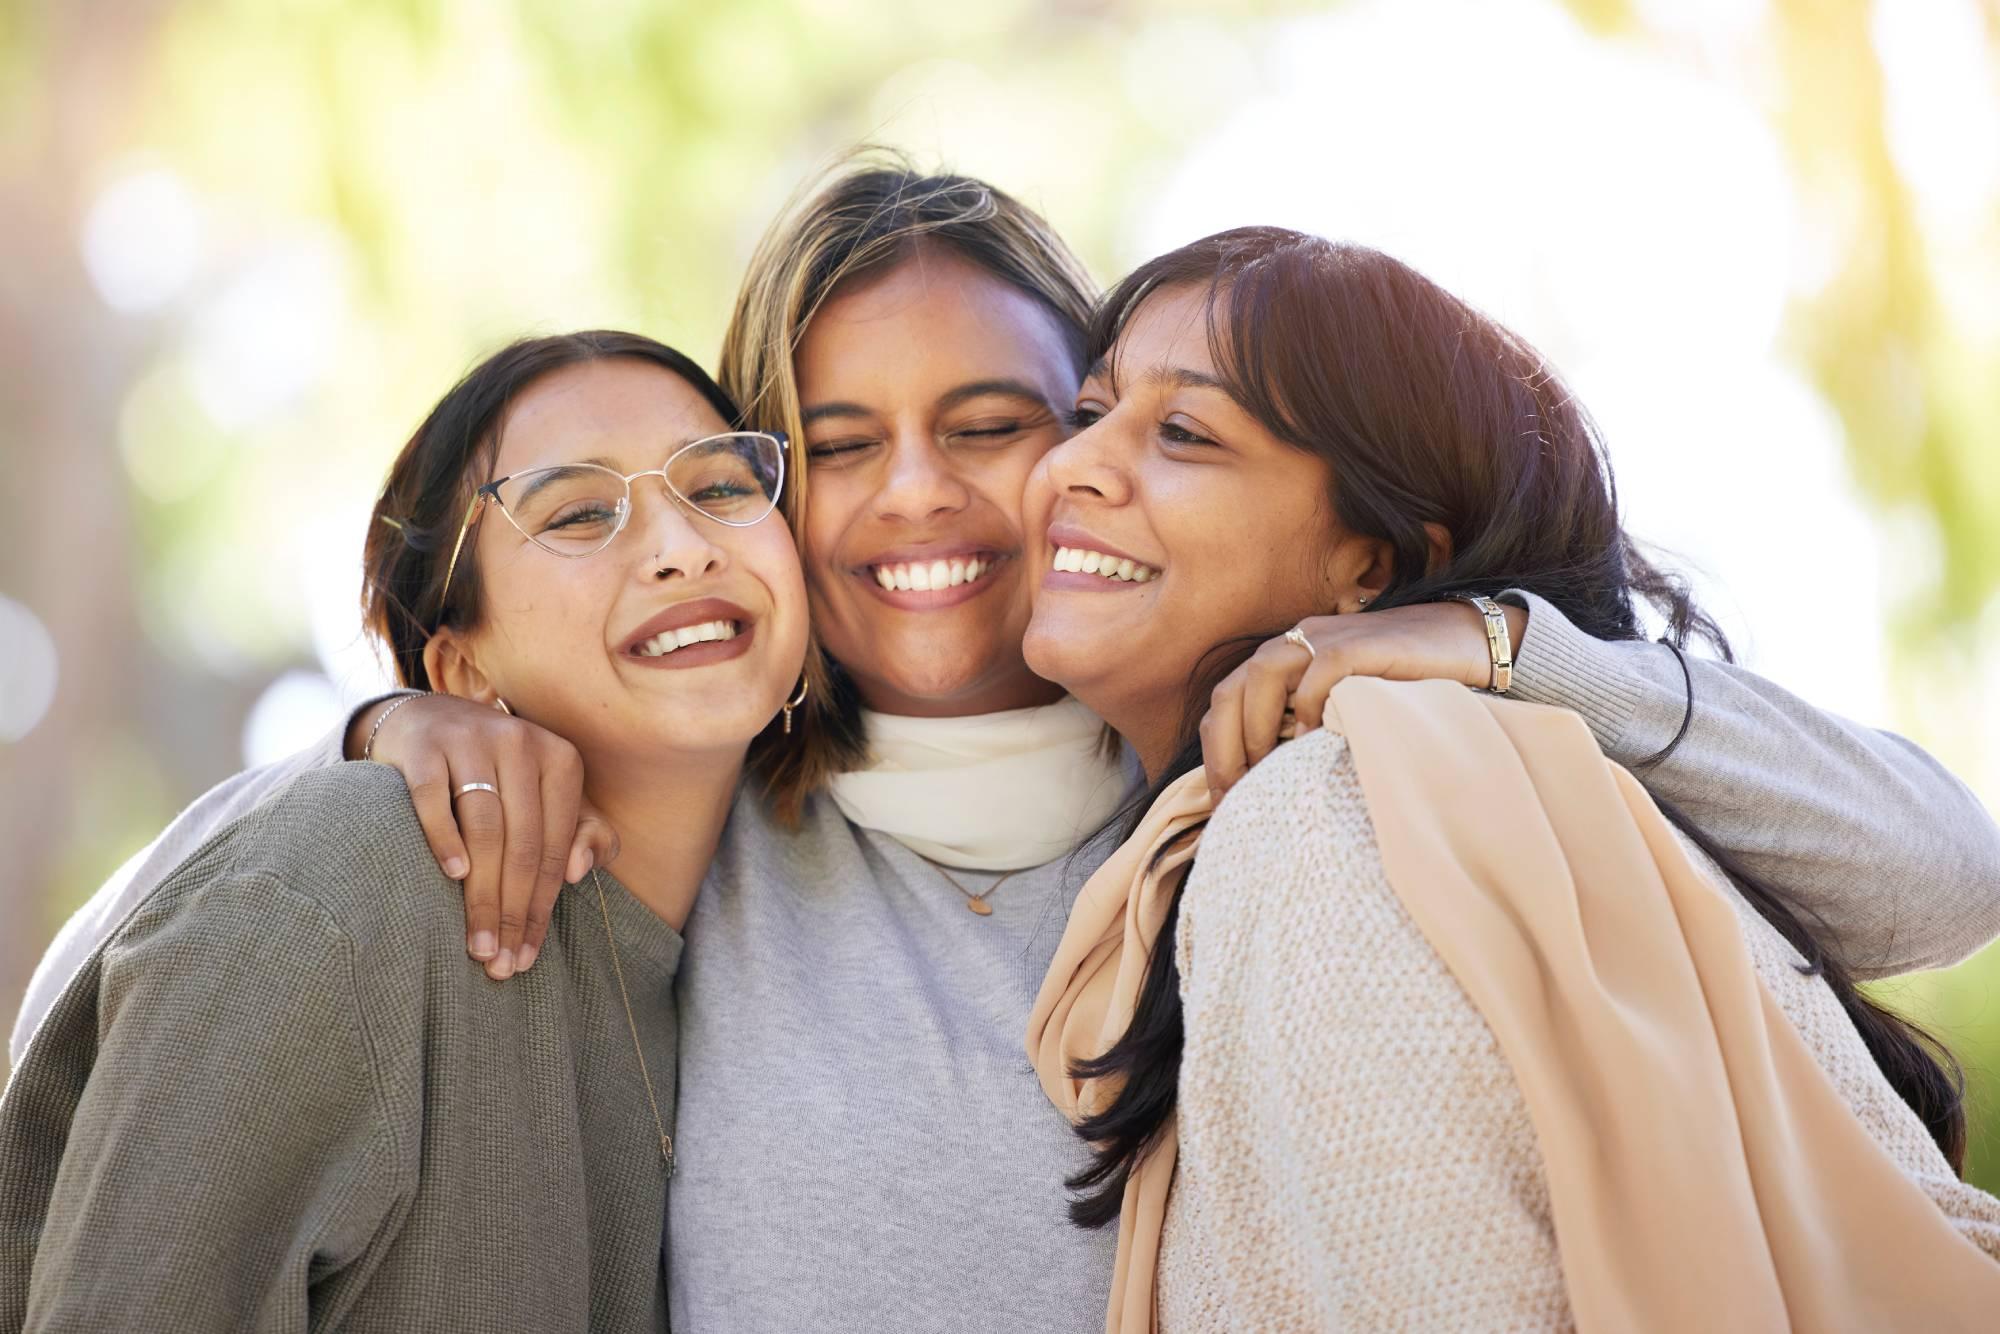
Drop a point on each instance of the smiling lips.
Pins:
(669, 641)
(1082, 560)
(694, 633)
(925, 576)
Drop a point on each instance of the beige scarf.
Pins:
(1703, 1173)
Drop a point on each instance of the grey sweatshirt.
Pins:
(282, 1098)
(862, 1143)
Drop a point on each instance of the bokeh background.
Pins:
(248, 242)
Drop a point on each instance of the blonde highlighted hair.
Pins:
(865, 216)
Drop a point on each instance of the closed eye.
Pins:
(838, 450)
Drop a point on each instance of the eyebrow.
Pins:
(1175, 377)
(550, 475)
(821, 411)
(1180, 377)
(555, 472)
(1005, 388)
(951, 398)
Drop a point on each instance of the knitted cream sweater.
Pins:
(1354, 1152)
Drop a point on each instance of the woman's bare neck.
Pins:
(668, 811)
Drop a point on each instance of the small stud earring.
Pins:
(794, 702)
(1359, 603)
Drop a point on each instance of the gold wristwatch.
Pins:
(1498, 642)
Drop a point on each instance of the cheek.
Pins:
(544, 625)
(1038, 496)
(1011, 482)
(832, 501)
(774, 562)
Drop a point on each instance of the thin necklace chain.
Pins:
(666, 1140)
(976, 902)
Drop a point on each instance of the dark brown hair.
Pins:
(872, 212)
(417, 517)
(423, 502)
(1427, 412)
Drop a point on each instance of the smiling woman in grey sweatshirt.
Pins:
(280, 1096)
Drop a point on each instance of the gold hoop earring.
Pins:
(794, 702)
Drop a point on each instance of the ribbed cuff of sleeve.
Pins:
(1556, 663)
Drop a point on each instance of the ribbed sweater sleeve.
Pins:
(265, 1227)
(1895, 857)
(92, 924)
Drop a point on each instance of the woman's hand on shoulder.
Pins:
(1281, 682)
(513, 849)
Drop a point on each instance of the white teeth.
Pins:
(1078, 560)
(667, 641)
(931, 576)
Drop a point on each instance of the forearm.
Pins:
(1894, 856)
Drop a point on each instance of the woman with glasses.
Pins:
(281, 1096)
(865, 957)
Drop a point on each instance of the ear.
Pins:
(1361, 569)
(449, 663)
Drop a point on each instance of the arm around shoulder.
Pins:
(1860, 827)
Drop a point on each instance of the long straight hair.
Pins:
(1427, 412)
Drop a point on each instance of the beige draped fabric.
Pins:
(1086, 1003)
(1702, 1170)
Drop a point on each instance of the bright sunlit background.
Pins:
(250, 241)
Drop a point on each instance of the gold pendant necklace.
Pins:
(976, 902)
(659, 1124)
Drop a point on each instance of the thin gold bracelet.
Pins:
(368, 749)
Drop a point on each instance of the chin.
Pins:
(1057, 657)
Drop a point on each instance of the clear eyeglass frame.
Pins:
(490, 492)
